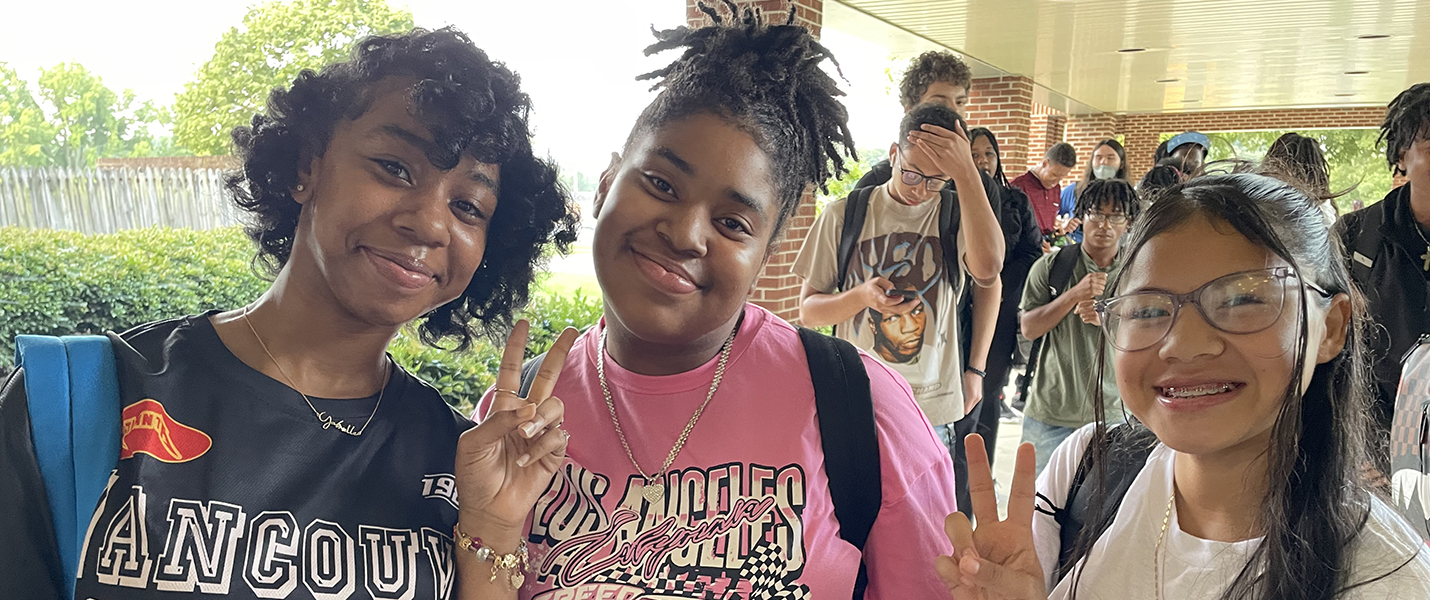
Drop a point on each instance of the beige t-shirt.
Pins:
(901, 244)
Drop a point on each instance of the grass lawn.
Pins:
(567, 283)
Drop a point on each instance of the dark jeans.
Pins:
(1000, 361)
(953, 435)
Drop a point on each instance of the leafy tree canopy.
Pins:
(276, 41)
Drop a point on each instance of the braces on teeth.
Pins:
(1201, 390)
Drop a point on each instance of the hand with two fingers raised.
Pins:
(996, 560)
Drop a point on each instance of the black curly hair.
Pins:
(929, 68)
(472, 106)
(1407, 120)
(764, 79)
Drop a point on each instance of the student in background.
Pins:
(1058, 397)
(1109, 161)
(1041, 184)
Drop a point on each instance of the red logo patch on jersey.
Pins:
(148, 428)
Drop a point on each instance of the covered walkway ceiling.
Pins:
(1130, 56)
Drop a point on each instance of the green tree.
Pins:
(1355, 161)
(276, 41)
(24, 132)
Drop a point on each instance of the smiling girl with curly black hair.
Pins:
(276, 447)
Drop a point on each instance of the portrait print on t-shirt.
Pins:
(727, 531)
(913, 263)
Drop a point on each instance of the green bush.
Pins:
(62, 283)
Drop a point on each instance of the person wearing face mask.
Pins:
(1109, 161)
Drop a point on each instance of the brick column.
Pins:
(778, 287)
(1005, 106)
(809, 13)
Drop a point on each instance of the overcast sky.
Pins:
(578, 59)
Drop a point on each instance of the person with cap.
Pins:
(1189, 149)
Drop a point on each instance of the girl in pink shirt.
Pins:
(695, 466)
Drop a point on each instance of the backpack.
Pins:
(72, 389)
(856, 208)
(845, 411)
(1059, 276)
(1410, 440)
(1084, 513)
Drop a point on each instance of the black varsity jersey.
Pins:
(229, 486)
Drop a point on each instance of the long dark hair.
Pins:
(1316, 504)
(1121, 164)
(979, 132)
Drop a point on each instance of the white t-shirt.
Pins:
(1120, 564)
(899, 243)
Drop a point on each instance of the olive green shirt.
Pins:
(1061, 392)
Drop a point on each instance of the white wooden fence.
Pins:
(106, 200)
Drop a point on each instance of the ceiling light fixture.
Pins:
(1357, 72)
(1373, 36)
(1131, 50)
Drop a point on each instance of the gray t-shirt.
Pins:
(1061, 392)
(901, 244)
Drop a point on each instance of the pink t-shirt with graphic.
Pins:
(746, 512)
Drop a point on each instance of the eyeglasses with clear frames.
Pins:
(1239, 303)
(1097, 218)
(932, 184)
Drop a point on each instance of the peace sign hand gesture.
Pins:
(504, 464)
(997, 560)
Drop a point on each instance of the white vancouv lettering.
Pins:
(390, 559)
(274, 541)
(329, 561)
(198, 553)
(124, 555)
(438, 547)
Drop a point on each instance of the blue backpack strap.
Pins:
(94, 422)
(71, 386)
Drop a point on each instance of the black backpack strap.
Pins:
(856, 208)
(528, 373)
(948, 221)
(1084, 512)
(1059, 277)
(1368, 242)
(845, 411)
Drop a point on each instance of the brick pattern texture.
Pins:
(808, 13)
(1005, 106)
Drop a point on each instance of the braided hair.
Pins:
(764, 79)
(1407, 120)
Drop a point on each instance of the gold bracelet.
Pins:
(516, 562)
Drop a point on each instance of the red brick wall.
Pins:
(1005, 106)
(778, 287)
(808, 13)
(1084, 132)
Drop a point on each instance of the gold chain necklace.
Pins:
(327, 420)
(1157, 553)
(654, 489)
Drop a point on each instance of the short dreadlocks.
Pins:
(1407, 120)
(764, 79)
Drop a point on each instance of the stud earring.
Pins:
(300, 187)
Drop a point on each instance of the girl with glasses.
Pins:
(1238, 347)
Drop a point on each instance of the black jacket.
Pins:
(1396, 290)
